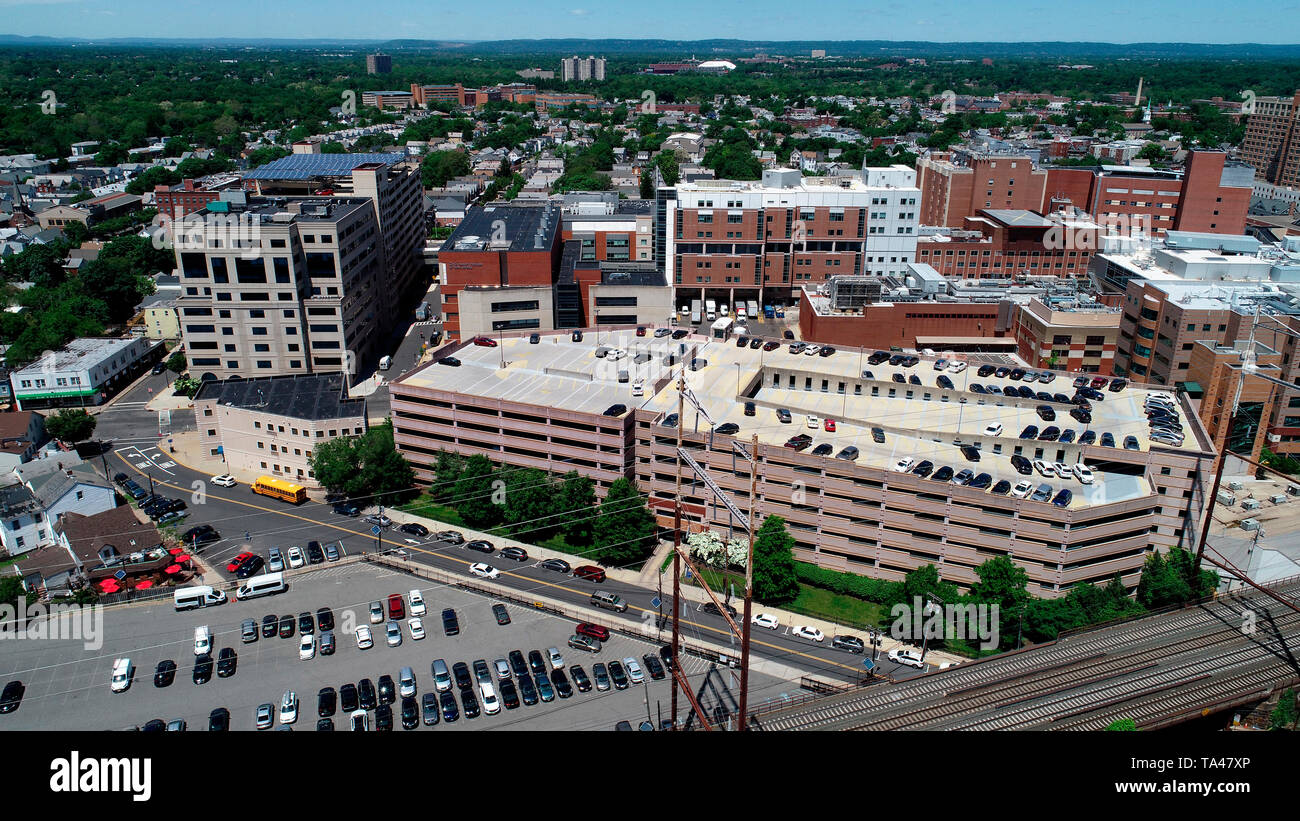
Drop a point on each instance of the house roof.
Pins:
(118, 527)
(52, 486)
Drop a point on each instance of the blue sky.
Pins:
(1201, 21)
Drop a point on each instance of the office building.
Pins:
(997, 243)
(581, 70)
(270, 425)
(379, 63)
(1272, 140)
(1078, 337)
(388, 99)
(83, 372)
(546, 409)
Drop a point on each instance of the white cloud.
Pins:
(578, 12)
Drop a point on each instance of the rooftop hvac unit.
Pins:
(1277, 498)
(1234, 485)
(1225, 498)
(1294, 490)
(1250, 504)
(1250, 524)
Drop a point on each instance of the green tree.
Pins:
(334, 463)
(176, 362)
(71, 426)
(186, 385)
(647, 183)
(530, 505)
(1283, 716)
(1171, 578)
(775, 578)
(447, 470)
(382, 472)
(1122, 725)
(625, 528)
(441, 166)
(147, 179)
(667, 162)
(1153, 152)
(332, 147)
(474, 494)
(578, 505)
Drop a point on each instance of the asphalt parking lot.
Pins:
(68, 685)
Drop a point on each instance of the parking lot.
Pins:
(68, 685)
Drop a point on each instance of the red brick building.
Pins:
(997, 244)
(1067, 339)
(186, 198)
(905, 324)
(955, 185)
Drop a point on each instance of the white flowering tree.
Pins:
(711, 549)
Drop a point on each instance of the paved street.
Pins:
(68, 685)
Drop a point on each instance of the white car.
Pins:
(1082, 473)
(633, 670)
(615, 355)
(488, 695)
(1022, 489)
(806, 632)
(365, 640)
(416, 603)
(394, 632)
(957, 367)
(557, 661)
(811, 350)
(907, 656)
(485, 571)
(202, 641)
(765, 620)
(121, 674)
(359, 720)
(993, 430)
(225, 480)
(307, 647)
(417, 627)
(1046, 469)
(904, 465)
(813, 422)
(638, 388)
(296, 559)
(1063, 470)
(288, 707)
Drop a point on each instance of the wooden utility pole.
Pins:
(749, 587)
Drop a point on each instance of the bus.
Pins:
(280, 489)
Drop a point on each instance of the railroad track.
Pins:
(1167, 665)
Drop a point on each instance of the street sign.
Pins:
(687, 574)
(869, 664)
(119, 575)
(376, 530)
(655, 602)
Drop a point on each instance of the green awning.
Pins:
(57, 394)
(1194, 388)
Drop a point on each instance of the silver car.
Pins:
(394, 631)
(503, 669)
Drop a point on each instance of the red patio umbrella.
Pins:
(171, 569)
(108, 584)
(182, 558)
(144, 584)
(176, 550)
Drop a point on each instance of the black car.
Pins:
(121, 478)
(1030, 432)
(480, 546)
(203, 669)
(415, 529)
(943, 474)
(201, 534)
(219, 720)
(366, 694)
(742, 341)
(1108, 440)
(1067, 436)
(560, 681)
(1081, 415)
(534, 339)
(502, 615)
(516, 554)
(250, 567)
(387, 690)
(976, 387)
(306, 624)
(270, 624)
(347, 509)
(1022, 465)
(971, 453)
(849, 644)
(383, 718)
(535, 662)
(410, 713)
(324, 725)
(165, 673)
(450, 624)
(680, 334)
(878, 435)
(348, 697)
(727, 429)
(985, 370)
(460, 672)
(430, 709)
(227, 662)
(653, 667)
(824, 449)
(1002, 488)
(1050, 434)
(615, 410)
(924, 469)
(712, 609)
(1046, 413)
(666, 653)
(509, 694)
(286, 627)
(527, 690)
(469, 704)
(517, 663)
(450, 710)
(580, 679)
(913, 379)
(943, 381)
(154, 725)
(1088, 437)
(1016, 373)
(557, 565)
(670, 421)
(755, 343)
(314, 554)
(326, 702)
(981, 481)
(1117, 385)
(449, 361)
(618, 675)
(325, 619)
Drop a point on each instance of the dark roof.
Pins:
(117, 527)
(16, 500)
(496, 225)
(315, 397)
(306, 166)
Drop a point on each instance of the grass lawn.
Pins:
(836, 607)
(424, 506)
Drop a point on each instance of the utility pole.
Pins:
(677, 544)
(749, 587)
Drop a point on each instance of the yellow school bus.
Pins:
(280, 489)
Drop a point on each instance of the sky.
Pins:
(1197, 21)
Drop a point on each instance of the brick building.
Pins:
(1074, 338)
(999, 243)
(1272, 140)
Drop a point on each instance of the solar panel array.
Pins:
(306, 166)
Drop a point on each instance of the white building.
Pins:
(83, 372)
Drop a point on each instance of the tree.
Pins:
(775, 578)
(577, 503)
(71, 426)
(667, 162)
(447, 470)
(474, 495)
(1122, 725)
(647, 183)
(530, 504)
(176, 362)
(1172, 579)
(1153, 152)
(334, 463)
(186, 385)
(147, 179)
(1283, 716)
(441, 166)
(624, 530)
(363, 466)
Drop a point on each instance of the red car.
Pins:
(640, 330)
(396, 607)
(589, 572)
(830, 425)
(237, 561)
(1099, 382)
(485, 342)
(593, 630)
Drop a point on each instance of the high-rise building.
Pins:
(379, 63)
(582, 69)
(1272, 141)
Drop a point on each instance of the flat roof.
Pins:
(315, 397)
(306, 166)
(505, 227)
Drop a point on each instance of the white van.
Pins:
(264, 585)
(202, 641)
(488, 695)
(385, 363)
(122, 672)
(189, 598)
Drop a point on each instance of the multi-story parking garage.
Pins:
(850, 511)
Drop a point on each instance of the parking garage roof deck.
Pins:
(565, 374)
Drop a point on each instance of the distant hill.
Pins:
(715, 47)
